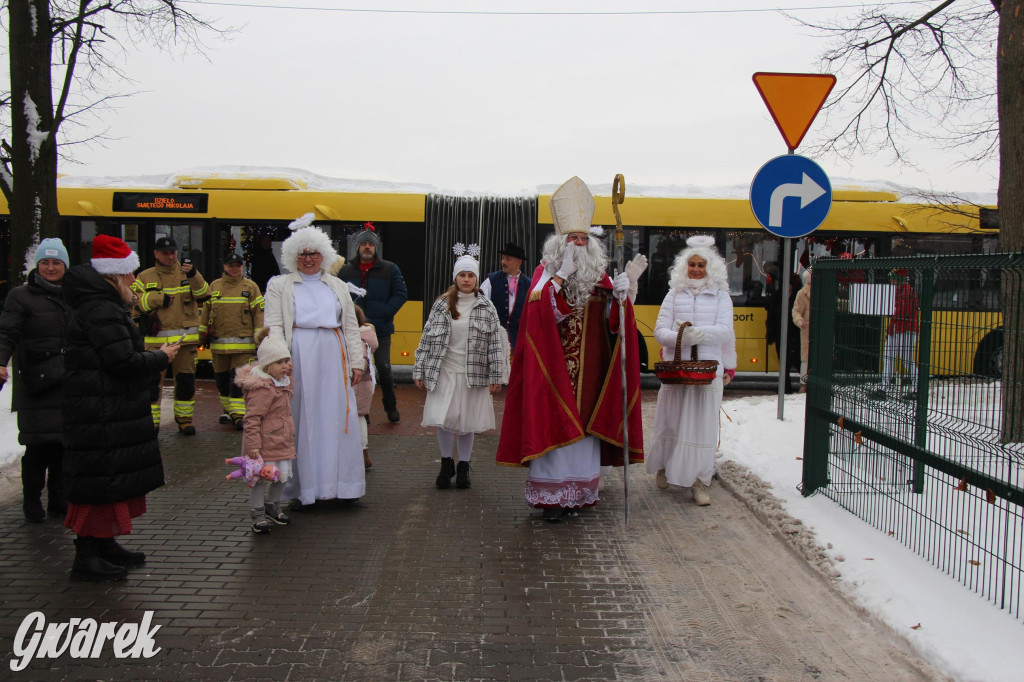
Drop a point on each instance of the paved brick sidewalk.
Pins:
(415, 583)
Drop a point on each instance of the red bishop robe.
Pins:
(566, 380)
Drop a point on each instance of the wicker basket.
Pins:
(692, 371)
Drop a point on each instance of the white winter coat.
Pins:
(710, 310)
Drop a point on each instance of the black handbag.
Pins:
(45, 376)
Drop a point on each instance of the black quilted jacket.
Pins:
(110, 446)
(32, 331)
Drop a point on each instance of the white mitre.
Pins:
(572, 207)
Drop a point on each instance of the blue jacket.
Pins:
(385, 293)
(499, 297)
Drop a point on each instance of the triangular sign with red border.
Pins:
(793, 100)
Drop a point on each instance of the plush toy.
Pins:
(251, 470)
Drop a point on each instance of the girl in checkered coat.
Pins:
(461, 360)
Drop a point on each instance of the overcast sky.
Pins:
(475, 102)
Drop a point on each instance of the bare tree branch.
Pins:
(908, 78)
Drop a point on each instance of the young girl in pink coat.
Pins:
(269, 431)
(364, 389)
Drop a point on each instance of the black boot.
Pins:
(113, 552)
(55, 502)
(462, 475)
(89, 566)
(33, 478)
(553, 514)
(444, 479)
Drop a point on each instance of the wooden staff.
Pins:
(618, 196)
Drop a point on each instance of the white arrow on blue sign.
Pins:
(791, 196)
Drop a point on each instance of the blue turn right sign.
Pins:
(791, 196)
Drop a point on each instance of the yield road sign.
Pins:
(790, 196)
(793, 100)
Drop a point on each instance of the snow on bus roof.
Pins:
(294, 178)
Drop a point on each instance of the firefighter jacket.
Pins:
(231, 316)
(174, 316)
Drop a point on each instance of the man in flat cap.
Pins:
(385, 294)
(507, 288)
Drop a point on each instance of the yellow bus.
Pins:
(211, 212)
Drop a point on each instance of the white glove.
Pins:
(635, 268)
(692, 336)
(620, 286)
(568, 264)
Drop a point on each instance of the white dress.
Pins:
(454, 405)
(686, 424)
(329, 456)
(686, 432)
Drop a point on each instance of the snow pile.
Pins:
(758, 497)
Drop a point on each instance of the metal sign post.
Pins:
(790, 196)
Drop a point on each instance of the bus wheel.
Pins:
(988, 360)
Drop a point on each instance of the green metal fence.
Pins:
(915, 405)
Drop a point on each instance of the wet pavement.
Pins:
(416, 583)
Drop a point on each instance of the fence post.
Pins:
(824, 305)
(924, 371)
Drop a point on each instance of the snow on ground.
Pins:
(954, 629)
(10, 450)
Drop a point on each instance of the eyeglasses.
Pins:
(313, 255)
(578, 238)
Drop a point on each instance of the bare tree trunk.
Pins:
(1010, 83)
(31, 189)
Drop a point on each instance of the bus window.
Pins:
(405, 245)
(746, 254)
(188, 237)
(662, 247)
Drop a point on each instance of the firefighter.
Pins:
(231, 316)
(169, 297)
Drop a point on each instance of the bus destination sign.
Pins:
(160, 202)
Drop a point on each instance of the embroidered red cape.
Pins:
(541, 412)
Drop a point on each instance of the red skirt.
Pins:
(104, 520)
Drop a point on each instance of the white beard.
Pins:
(591, 262)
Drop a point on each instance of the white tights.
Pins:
(446, 441)
(899, 346)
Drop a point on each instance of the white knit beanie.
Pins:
(466, 264)
(271, 350)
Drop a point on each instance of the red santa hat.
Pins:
(111, 256)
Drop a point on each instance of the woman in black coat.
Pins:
(32, 332)
(111, 457)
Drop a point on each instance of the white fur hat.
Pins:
(572, 207)
(307, 239)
